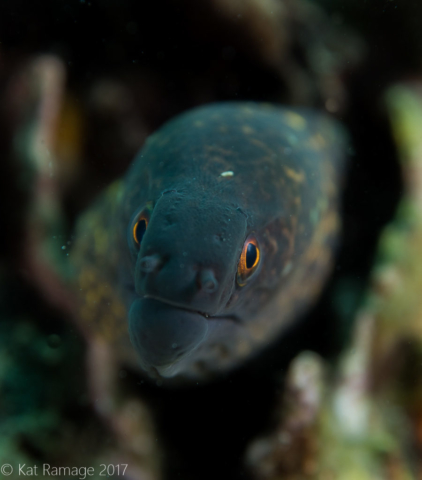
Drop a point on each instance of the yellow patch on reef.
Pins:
(118, 309)
(92, 297)
(295, 121)
(86, 278)
(405, 111)
(198, 123)
(69, 136)
(298, 177)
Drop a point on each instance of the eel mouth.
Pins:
(229, 317)
(163, 333)
(176, 305)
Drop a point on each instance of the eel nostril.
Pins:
(150, 263)
(207, 281)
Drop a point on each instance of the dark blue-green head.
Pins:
(219, 209)
(185, 266)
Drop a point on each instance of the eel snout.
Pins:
(163, 334)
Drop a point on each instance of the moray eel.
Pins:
(219, 236)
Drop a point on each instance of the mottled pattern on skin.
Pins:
(285, 167)
(101, 310)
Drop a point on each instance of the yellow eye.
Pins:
(140, 228)
(249, 260)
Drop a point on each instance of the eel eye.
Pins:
(140, 228)
(249, 260)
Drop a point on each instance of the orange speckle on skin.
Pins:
(247, 130)
(262, 145)
(317, 142)
(295, 121)
(298, 177)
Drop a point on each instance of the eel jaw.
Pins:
(164, 334)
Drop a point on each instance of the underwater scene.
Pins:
(211, 240)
